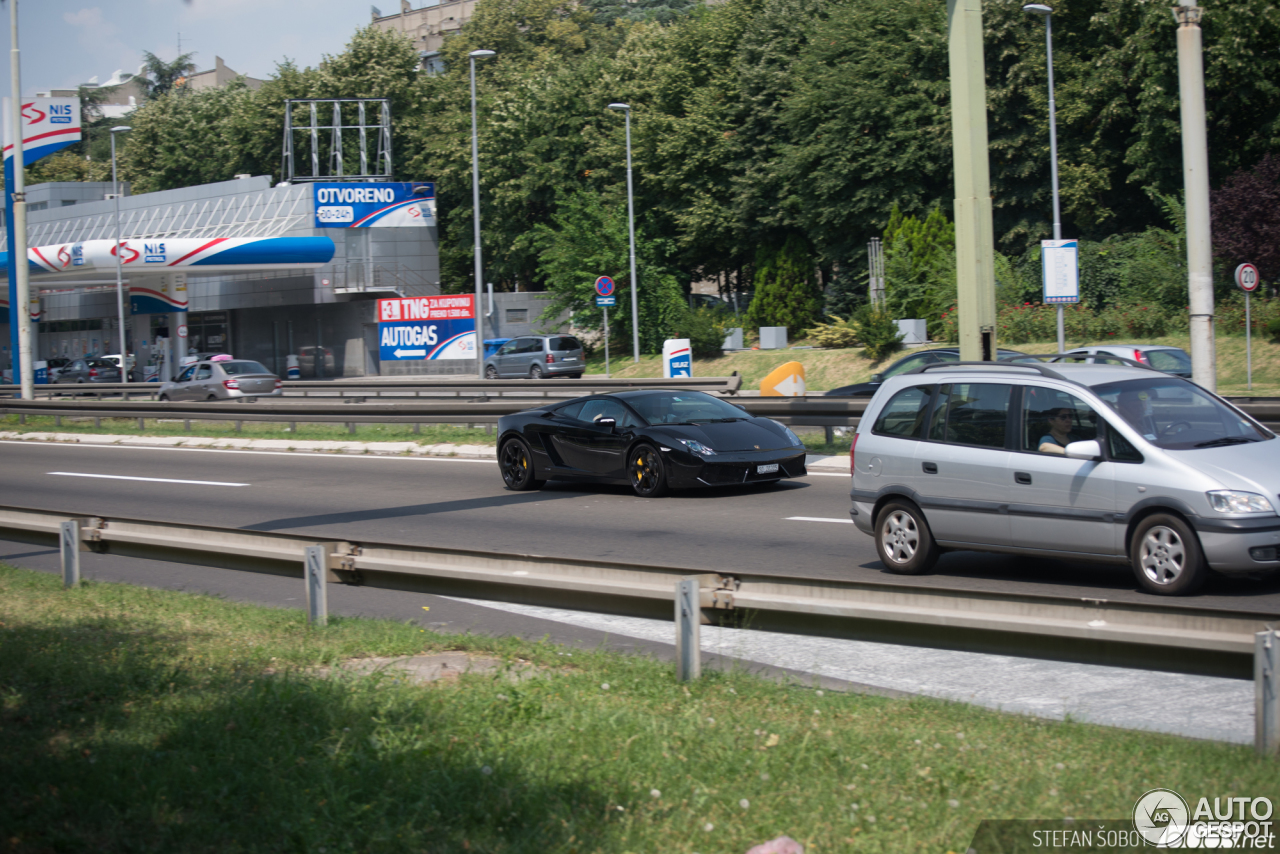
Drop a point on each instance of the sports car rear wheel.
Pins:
(648, 477)
(517, 466)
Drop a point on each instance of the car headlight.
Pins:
(1230, 501)
(697, 447)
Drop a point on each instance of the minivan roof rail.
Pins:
(1082, 356)
(1030, 366)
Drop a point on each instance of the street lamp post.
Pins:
(631, 229)
(1047, 13)
(475, 206)
(115, 191)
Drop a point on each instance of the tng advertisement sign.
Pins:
(442, 327)
(350, 205)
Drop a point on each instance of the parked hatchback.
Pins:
(1168, 360)
(1111, 463)
(535, 357)
(89, 371)
(222, 379)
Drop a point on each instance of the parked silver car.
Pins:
(89, 370)
(222, 379)
(535, 357)
(1102, 462)
(1169, 360)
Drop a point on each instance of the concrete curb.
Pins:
(817, 462)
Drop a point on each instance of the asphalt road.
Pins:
(461, 504)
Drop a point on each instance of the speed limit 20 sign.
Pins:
(1247, 278)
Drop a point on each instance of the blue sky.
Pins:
(65, 43)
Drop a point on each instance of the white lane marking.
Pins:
(829, 474)
(146, 479)
(336, 455)
(818, 519)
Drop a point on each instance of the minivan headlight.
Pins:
(1231, 501)
(697, 447)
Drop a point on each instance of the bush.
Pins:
(705, 330)
(786, 289)
(877, 331)
(841, 333)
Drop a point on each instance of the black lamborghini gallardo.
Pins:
(652, 440)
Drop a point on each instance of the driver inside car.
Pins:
(1059, 436)
(1135, 407)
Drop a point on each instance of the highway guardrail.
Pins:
(416, 387)
(1172, 636)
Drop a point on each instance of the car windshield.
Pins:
(1176, 415)
(684, 407)
(243, 367)
(1169, 361)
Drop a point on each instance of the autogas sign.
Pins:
(439, 327)
(353, 205)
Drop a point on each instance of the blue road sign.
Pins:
(604, 287)
(606, 302)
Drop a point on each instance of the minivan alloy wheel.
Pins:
(903, 539)
(900, 536)
(1166, 555)
(1162, 555)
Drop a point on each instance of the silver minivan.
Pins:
(535, 357)
(1079, 461)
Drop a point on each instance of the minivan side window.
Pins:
(1053, 419)
(904, 414)
(972, 414)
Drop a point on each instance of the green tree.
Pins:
(162, 77)
(787, 292)
(919, 266)
(587, 239)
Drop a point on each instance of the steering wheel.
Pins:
(1175, 428)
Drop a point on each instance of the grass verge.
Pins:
(430, 434)
(137, 719)
(827, 369)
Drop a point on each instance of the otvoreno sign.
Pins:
(392, 205)
(411, 328)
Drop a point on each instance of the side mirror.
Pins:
(877, 378)
(1087, 450)
(611, 423)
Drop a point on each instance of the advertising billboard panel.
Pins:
(385, 205)
(439, 327)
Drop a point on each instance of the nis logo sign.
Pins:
(56, 113)
(153, 253)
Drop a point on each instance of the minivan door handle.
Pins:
(1022, 477)
(929, 468)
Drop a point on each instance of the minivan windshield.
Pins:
(684, 407)
(1176, 415)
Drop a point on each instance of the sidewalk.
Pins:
(817, 462)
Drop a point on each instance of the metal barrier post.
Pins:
(70, 543)
(317, 595)
(688, 635)
(1266, 684)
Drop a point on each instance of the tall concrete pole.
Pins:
(975, 241)
(475, 207)
(24, 373)
(1195, 175)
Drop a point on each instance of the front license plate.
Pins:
(767, 469)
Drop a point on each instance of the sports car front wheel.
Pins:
(517, 466)
(648, 476)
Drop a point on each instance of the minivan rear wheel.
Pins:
(903, 539)
(535, 373)
(1166, 556)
